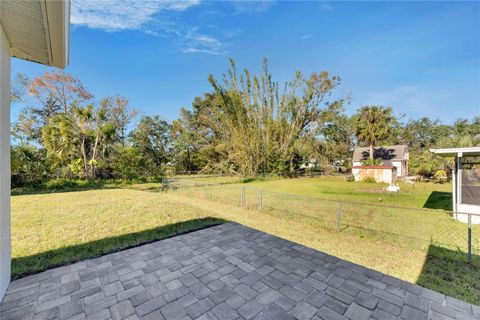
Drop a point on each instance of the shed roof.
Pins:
(376, 167)
(398, 152)
(37, 30)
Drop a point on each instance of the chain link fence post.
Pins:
(260, 199)
(242, 197)
(339, 213)
(469, 238)
(165, 185)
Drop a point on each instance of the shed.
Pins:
(465, 181)
(396, 156)
(381, 174)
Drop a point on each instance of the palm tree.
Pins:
(373, 124)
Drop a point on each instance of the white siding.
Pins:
(5, 246)
(397, 164)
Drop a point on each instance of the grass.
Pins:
(335, 188)
(57, 228)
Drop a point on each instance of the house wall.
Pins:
(400, 165)
(5, 246)
(380, 175)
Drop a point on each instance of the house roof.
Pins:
(452, 152)
(398, 152)
(37, 30)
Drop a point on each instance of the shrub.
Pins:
(369, 180)
(60, 184)
(440, 176)
(371, 162)
(71, 184)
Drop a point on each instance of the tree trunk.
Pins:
(84, 154)
(371, 152)
(94, 155)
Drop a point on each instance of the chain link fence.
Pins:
(401, 226)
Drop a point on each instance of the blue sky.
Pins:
(421, 58)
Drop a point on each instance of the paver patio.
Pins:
(223, 272)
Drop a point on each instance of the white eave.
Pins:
(38, 30)
(454, 152)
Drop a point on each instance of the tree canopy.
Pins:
(246, 124)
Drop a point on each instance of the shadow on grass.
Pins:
(85, 185)
(55, 258)
(448, 271)
(42, 190)
(439, 200)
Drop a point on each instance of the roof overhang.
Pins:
(38, 30)
(457, 152)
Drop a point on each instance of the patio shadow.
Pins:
(448, 271)
(28, 265)
(439, 200)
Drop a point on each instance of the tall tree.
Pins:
(373, 125)
(74, 139)
(55, 93)
(62, 88)
(152, 138)
(18, 87)
(259, 124)
(120, 113)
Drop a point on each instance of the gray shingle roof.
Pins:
(397, 152)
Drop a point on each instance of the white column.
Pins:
(5, 242)
(454, 188)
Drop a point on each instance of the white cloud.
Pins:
(196, 42)
(196, 50)
(158, 18)
(116, 15)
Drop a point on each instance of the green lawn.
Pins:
(331, 187)
(58, 228)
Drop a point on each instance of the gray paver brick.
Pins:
(70, 309)
(303, 311)
(52, 303)
(121, 310)
(356, 312)
(82, 293)
(197, 309)
(409, 313)
(224, 272)
(328, 314)
(150, 306)
(250, 309)
(225, 312)
(113, 288)
(99, 305)
(173, 311)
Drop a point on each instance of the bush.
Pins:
(71, 184)
(371, 162)
(369, 180)
(440, 176)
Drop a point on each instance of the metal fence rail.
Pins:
(415, 228)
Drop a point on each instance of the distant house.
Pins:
(310, 164)
(396, 156)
